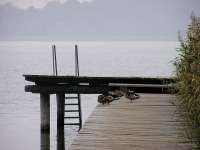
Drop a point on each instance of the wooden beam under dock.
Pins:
(52, 80)
(95, 85)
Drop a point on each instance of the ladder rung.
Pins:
(71, 110)
(70, 124)
(71, 117)
(72, 104)
(71, 97)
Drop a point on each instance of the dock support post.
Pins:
(60, 109)
(45, 141)
(45, 111)
(60, 138)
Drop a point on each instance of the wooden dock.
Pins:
(151, 122)
(45, 85)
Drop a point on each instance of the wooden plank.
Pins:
(151, 122)
(86, 89)
(66, 89)
(48, 79)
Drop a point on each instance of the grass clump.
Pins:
(188, 71)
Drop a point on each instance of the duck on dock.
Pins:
(103, 99)
(116, 94)
(130, 94)
(108, 99)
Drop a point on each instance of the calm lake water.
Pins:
(20, 111)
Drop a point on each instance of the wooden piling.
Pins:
(61, 138)
(45, 111)
(45, 141)
(60, 109)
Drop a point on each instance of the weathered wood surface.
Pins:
(151, 122)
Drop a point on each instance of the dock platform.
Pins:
(45, 85)
(151, 122)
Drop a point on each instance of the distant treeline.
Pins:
(188, 71)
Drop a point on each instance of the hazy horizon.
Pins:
(95, 20)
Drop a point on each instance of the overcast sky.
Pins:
(95, 19)
(24, 4)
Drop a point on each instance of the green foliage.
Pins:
(188, 71)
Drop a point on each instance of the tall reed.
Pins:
(188, 71)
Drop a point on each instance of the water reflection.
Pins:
(45, 139)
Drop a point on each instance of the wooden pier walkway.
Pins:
(151, 122)
(45, 85)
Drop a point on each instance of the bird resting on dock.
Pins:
(103, 99)
(116, 94)
(130, 94)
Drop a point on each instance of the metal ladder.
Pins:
(72, 111)
(69, 113)
(71, 108)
